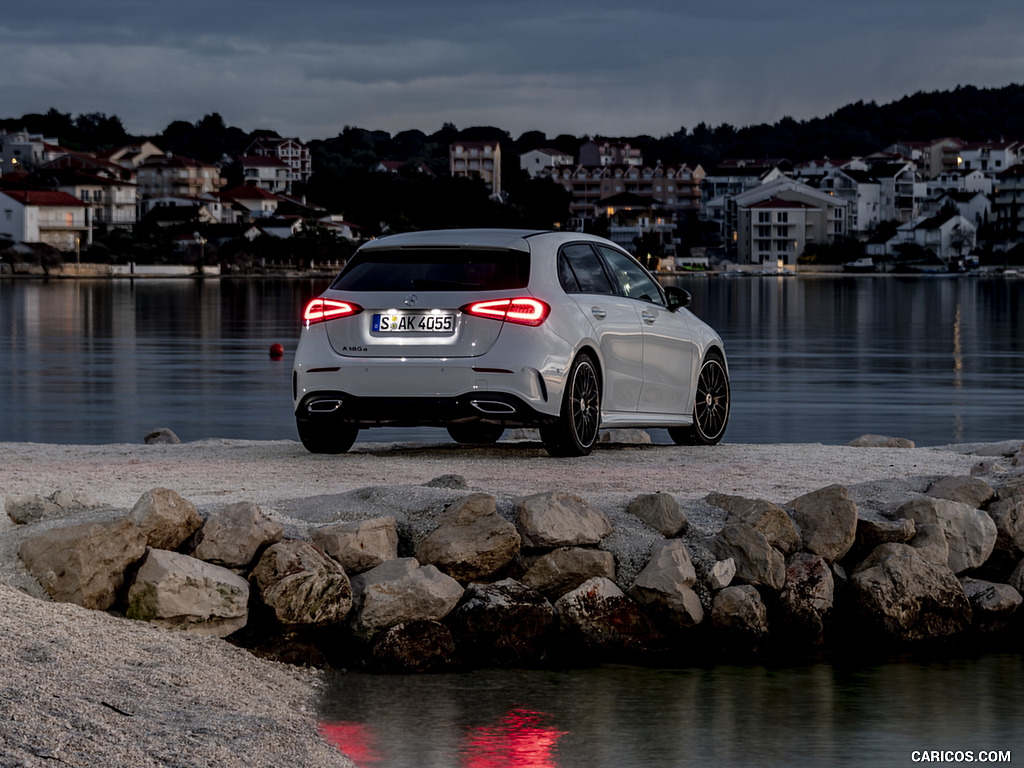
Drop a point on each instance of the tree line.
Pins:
(344, 180)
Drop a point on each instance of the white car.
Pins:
(479, 330)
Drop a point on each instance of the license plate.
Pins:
(442, 323)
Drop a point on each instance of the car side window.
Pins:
(581, 271)
(631, 278)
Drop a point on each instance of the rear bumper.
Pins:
(333, 407)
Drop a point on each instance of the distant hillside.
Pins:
(970, 113)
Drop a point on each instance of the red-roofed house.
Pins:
(267, 173)
(248, 202)
(44, 216)
(291, 152)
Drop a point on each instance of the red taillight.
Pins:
(524, 311)
(319, 310)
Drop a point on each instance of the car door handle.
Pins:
(599, 313)
(648, 317)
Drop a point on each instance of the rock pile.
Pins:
(539, 581)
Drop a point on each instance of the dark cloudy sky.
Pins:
(307, 68)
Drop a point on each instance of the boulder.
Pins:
(721, 574)
(660, 511)
(1016, 579)
(233, 534)
(1007, 512)
(599, 617)
(502, 623)
(31, 508)
(361, 545)
(84, 564)
(414, 646)
(166, 518)
(757, 562)
(472, 542)
(664, 589)
(740, 615)
(561, 570)
(902, 597)
(880, 441)
(970, 532)
(963, 488)
(992, 604)
(1005, 448)
(871, 533)
(806, 600)
(828, 521)
(764, 516)
(988, 467)
(176, 591)
(399, 591)
(161, 436)
(548, 520)
(302, 585)
(930, 543)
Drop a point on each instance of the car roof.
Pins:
(511, 239)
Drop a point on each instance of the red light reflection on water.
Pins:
(355, 740)
(521, 739)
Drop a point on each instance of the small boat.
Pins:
(863, 264)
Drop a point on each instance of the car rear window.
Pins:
(435, 269)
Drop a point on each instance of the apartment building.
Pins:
(267, 173)
(292, 152)
(44, 216)
(177, 176)
(778, 220)
(931, 158)
(1008, 203)
(111, 203)
(477, 160)
(991, 157)
(23, 151)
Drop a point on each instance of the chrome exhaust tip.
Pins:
(493, 407)
(323, 406)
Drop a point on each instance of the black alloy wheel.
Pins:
(710, 406)
(575, 431)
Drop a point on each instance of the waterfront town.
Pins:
(925, 205)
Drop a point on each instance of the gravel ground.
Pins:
(84, 688)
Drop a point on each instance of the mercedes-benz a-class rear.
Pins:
(480, 330)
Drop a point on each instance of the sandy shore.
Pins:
(85, 688)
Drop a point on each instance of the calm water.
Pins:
(725, 716)
(820, 359)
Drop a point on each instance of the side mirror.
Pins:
(677, 298)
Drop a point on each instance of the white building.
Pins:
(44, 216)
(991, 157)
(777, 221)
(536, 161)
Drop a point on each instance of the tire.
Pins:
(575, 431)
(323, 438)
(710, 406)
(475, 432)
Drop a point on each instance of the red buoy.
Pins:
(276, 351)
